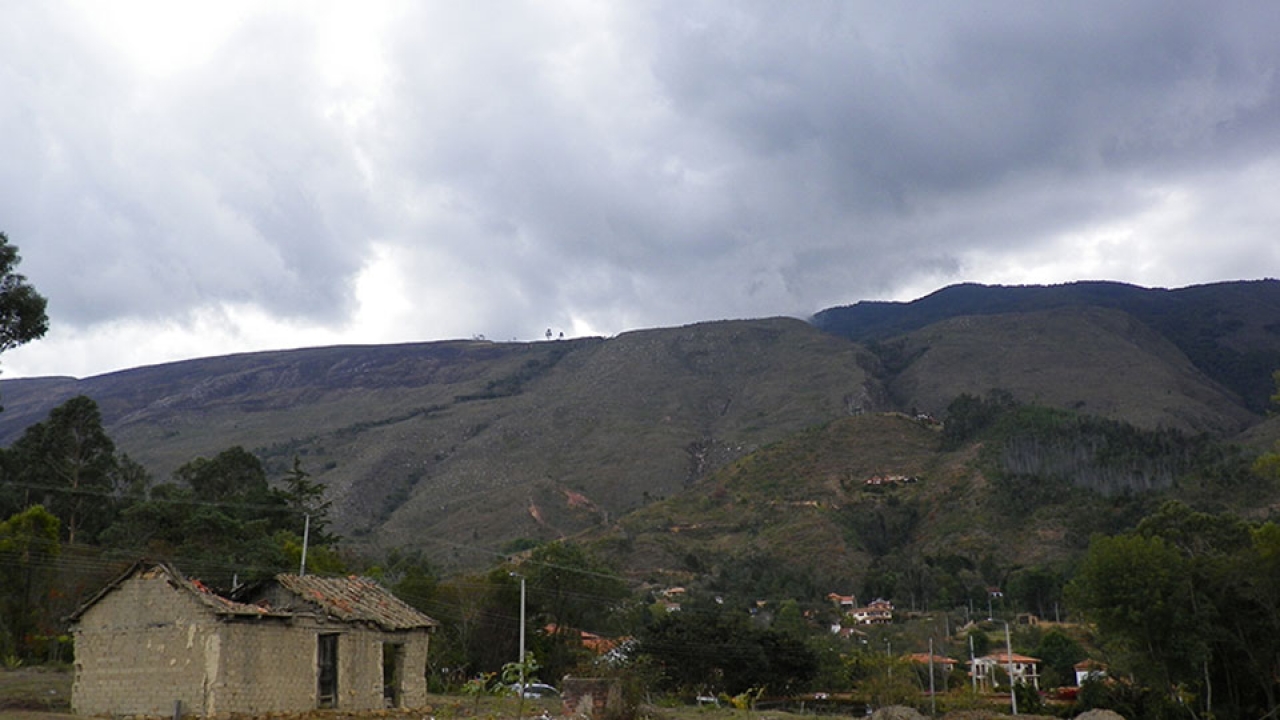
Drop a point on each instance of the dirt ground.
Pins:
(35, 694)
(43, 694)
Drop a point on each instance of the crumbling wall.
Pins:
(593, 698)
(141, 649)
(262, 666)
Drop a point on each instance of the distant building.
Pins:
(1089, 670)
(877, 612)
(845, 603)
(1021, 668)
(946, 664)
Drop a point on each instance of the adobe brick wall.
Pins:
(140, 649)
(145, 646)
(360, 668)
(592, 698)
(262, 666)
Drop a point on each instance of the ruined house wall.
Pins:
(140, 649)
(360, 678)
(146, 645)
(263, 666)
(415, 671)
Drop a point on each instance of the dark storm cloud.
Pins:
(505, 166)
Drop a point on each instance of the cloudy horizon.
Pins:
(192, 179)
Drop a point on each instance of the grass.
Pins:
(34, 689)
(40, 693)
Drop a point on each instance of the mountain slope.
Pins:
(1230, 331)
(1095, 361)
(478, 443)
(463, 448)
(877, 505)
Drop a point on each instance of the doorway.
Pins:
(327, 670)
(392, 674)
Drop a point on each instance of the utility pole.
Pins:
(521, 665)
(933, 697)
(973, 665)
(1008, 654)
(306, 536)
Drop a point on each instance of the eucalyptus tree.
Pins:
(68, 463)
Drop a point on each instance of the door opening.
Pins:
(327, 670)
(392, 674)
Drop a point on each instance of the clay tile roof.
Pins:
(1003, 657)
(193, 588)
(356, 599)
(923, 659)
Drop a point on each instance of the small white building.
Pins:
(1020, 668)
(1089, 670)
(877, 612)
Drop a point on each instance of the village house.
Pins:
(1021, 668)
(1089, 669)
(944, 664)
(877, 612)
(598, 644)
(155, 643)
(845, 603)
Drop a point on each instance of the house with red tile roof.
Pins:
(155, 643)
(876, 612)
(946, 664)
(1021, 668)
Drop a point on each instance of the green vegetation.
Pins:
(707, 648)
(1227, 330)
(76, 510)
(695, 556)
(22, 309)
(1186, 605)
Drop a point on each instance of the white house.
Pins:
(1021, 668)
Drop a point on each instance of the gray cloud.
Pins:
(637, 164)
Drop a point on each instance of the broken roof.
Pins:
(356, 599)
(193, 588)
(347, 599)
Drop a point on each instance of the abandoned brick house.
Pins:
(152, 639)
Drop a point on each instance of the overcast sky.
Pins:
(192, 179)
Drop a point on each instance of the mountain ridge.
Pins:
(1230, 330)
(465, 447)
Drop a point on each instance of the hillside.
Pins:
(464, 448)
(1229, 331)
(1092, 360)
(480, 443)
(876, 504)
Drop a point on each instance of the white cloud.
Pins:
(193, 179)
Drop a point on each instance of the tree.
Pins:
(221, 520)
(570, 589)
(707, 647)
(1190, 605)
(28, 545)
(70, 462)
(306, 498)
(1059, 653)
(235, 474)
(1138, 590)
(22, 309)
(1035, 589)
